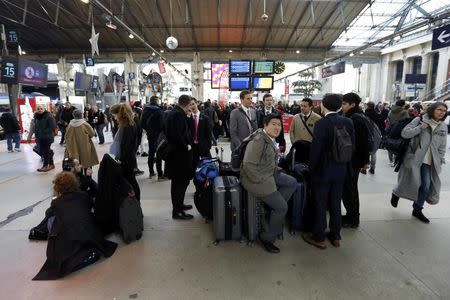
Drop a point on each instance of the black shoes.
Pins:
(363, 172)
(419, 215)
(181, 215)
(394, 200)
(269, 247)
(144, 154)
(372, 171)
(348, 223)
(186, 207)
(138, 172)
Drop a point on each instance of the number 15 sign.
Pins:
(9, 70)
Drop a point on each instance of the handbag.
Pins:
(163, 148)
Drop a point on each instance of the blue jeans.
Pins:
(13, 137)
(99, 129)
(425, 186)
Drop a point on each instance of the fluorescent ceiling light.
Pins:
(85, 1)
(131, 36)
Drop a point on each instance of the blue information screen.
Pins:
(240, 66)
(239, 83)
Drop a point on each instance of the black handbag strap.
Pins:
(306, 126)
(245, 114)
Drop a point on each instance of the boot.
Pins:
(43, 169)
(394, 200)
(51, 167)
(419, 215)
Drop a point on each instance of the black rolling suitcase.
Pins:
(131, 219)
(227, 208)
(254, 214)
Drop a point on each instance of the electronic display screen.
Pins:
(89, 61)
(239, 83)
(240, 66)
(263, 66)
(82, 82)
(263, 83)
(32, 73)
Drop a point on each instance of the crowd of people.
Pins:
(338, 132)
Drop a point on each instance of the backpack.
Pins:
(342, 146)
(237, 156)
(131, 219)
(393, 141)
(207, 170)
(374, 133)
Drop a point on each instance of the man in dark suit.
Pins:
(327, 175)
(242, 120)
(360, 159)
(200, 129)
(179, 162)
(267, 110)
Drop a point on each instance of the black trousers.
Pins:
(153, 157)
(128, 173)
(327, 195)
(45, 150)
(350, 195)
(178, 187)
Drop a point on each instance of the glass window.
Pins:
(399, 71)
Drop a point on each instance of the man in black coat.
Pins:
(270, 109)
(179, 163)
(200, 129)
(65, 118)
(327, 176)
(360, 159)
(377, 119)
(11, 127)
(152, 122)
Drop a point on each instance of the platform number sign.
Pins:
(441, 37)
(9, 70)
(12, 39)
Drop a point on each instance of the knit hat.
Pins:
(332, 102)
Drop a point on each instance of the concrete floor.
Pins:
(390, 256)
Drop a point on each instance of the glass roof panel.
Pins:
(382, 17)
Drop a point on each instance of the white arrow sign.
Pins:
(443, 36)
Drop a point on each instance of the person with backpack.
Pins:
(261, 177)
(418, 177)
(377, 120)
(360, 158)
(11, 127)
(152, 122)
(330, 161)
(302, 126)
(398, 113)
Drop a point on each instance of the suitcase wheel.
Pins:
(139, 236)
(216, 242)
(250, 243)
(292, 232)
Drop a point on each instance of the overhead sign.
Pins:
(32, 73)
(441, 37)
(131, 75)
(415, 78)
(12, 39)
(333, 70)
(89, 61)
(10, 68)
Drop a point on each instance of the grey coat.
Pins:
(239, 126)
(409, 174)
(259, 165)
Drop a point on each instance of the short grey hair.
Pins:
(77, 114)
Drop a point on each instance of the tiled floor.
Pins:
(391, 255)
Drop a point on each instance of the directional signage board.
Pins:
(333, 70)
(441, 37)
(9, 72)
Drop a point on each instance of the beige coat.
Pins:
(79, 143)
(298, 131)
(259, 166)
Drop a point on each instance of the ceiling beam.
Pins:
(141, 27)
(321, 28)
(158, 7)
(194, 38)
(218, 23)
(296, 27)
(269, 32)
(247, 20)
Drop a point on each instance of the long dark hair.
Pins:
(433, 107)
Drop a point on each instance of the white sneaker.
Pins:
(10, 151)
(17, 150)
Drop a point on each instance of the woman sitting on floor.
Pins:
(74, 242)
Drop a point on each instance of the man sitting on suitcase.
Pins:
(261, 177)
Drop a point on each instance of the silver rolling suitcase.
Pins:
(227, 208)
(254, 214)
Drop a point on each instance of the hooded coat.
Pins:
(72, 236)
(409, 174)
(79, 143)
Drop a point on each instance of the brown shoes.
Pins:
(46, 168)
(307, 237)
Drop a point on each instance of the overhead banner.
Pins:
(333, 70)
